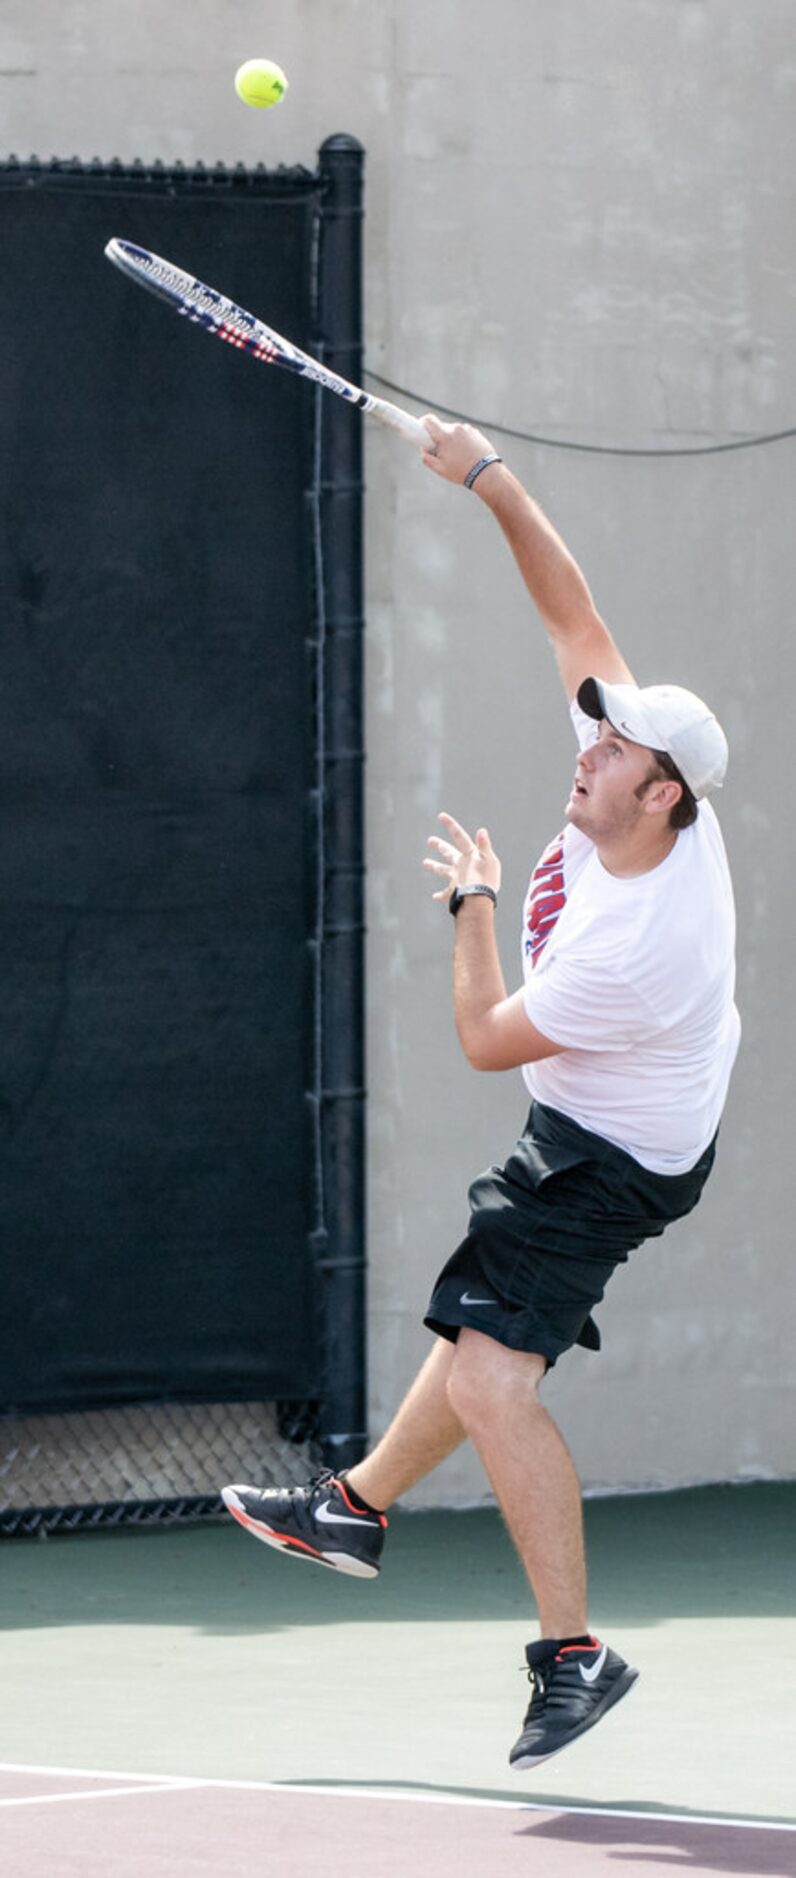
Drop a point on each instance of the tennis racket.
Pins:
(232, 323)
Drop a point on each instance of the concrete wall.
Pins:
(580, 224)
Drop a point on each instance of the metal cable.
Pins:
(589, 449)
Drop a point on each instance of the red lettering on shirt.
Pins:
(546, 899)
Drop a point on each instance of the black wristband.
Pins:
(482, 464)
(463, 893)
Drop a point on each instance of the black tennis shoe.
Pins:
(574, 1686)
(319, 1521)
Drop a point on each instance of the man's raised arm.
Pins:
(581, 641)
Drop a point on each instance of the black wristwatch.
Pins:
(463, 893)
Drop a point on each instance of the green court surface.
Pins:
(197, 1652)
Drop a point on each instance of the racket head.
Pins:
(204, 305)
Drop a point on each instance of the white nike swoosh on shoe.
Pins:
(590, 1675)
(466, 1299)
(328, 1518)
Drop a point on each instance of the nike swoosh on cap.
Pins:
(466, 1299)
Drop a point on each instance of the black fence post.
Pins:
(342, 1262)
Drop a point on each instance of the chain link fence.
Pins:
(146, 1465)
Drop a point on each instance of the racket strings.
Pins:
(205, 306)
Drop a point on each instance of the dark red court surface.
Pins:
(115, 1826)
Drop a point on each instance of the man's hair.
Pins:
(685, 811)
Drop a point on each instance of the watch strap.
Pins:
(465, 893)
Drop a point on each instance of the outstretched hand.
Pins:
(462, 861)
(455, 449)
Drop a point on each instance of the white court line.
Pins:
(173, 1783)
(101, 1793)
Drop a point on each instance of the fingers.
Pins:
(445, 849)
(447, 873)
(449, 862)
(436, 432)
(454, 448)
(458, 835)
(457, 432)
(460, 861)
(454, 856)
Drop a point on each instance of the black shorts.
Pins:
(547, 1230)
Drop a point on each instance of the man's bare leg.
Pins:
(319, 1521)
(493, 1393)
(424, 1432)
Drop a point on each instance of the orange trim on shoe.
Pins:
(381, 1517)
(580, 1649)
(257, 1525)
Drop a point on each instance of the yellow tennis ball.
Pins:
(259, 82)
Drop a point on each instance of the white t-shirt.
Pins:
(636, 978)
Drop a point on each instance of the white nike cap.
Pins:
(664, 717)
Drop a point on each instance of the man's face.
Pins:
(605, 802)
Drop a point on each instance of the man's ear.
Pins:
(662, 795)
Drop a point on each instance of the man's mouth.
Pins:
(578, 788)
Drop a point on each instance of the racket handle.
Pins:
(409, 427)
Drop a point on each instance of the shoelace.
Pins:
(537, 1701)
(320, 1481)
(549, 1690)
(305, 1495)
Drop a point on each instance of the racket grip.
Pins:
(408, 426)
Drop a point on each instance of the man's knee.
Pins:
(486, 1379)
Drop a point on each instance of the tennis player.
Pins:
(625, 1029)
